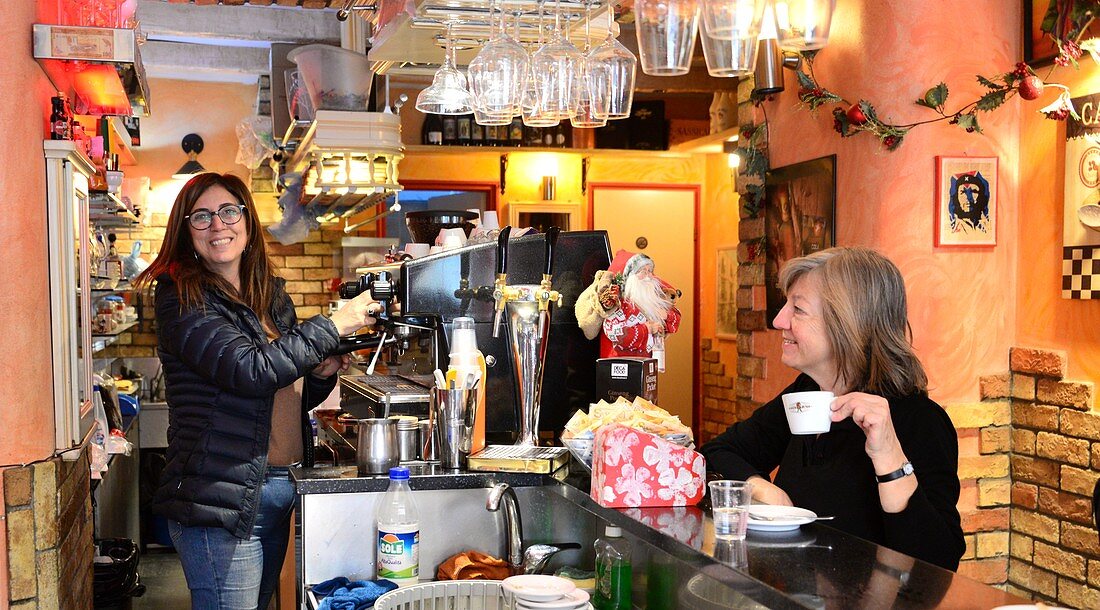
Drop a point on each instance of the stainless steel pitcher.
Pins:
(378, 449)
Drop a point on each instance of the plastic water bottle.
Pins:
(399, 532)
(613, 572)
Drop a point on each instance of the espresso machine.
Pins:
(424, 295)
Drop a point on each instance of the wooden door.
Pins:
(660, 221)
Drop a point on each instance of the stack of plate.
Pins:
(538, 592)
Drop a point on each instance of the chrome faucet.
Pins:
(514, 529)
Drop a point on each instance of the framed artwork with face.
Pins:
(966, 201)
(799, 219)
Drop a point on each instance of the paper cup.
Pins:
(808, 412)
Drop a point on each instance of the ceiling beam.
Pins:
(236, 23)
(205, 62)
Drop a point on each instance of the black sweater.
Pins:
(831, 473)
(221, 374)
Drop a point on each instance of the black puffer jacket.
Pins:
(221, 375)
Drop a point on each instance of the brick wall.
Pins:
(48, 509)
(308, 268)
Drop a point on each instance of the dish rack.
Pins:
(446, 595)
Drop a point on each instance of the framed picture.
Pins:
(1039, 49)
(966, 201)
(726, 292)
(542, 216)
(799, 219)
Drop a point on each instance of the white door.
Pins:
(660, 222)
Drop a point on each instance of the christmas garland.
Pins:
(1065, 22)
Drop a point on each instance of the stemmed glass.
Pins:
(533, 105)
(448, 93)
(590, 88)
(621, 68)
(554, 68)
(497, 77)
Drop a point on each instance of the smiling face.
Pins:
(806, 345)
(220, 246)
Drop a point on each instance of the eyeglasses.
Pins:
(202, 219)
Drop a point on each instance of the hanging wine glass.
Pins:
(448, 93)
(621, 68)
(533, 104)
(497, 76)
(590, 88)
(728, 57)
(554, 67)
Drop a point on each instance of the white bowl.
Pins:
(537, 587)
(1089, 215)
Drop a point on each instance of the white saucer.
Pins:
(784, 518)
(576, 599)
(538, 587)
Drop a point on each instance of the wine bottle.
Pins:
(432, 131)
(515, 132)
(477, 134)
(450, 130)
(463, 127)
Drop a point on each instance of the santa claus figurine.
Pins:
(631, 308)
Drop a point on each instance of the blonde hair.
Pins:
(865, 319)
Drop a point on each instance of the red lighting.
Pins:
(99, 91)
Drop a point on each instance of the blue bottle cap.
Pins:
(399, 473)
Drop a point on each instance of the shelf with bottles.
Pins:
(106, 209)
(100, 341)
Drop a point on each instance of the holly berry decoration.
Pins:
(1030, 87)
(856, 115)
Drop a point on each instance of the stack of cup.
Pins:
(536, 591)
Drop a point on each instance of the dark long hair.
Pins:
(179, 260)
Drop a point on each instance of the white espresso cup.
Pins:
(808, 412)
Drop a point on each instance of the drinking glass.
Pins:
(728, 57)
(803, 25)
(497, 77)
(621, 67)
(590, 88)
(448, 93)
(554, 68)
(730, 502)
(666, 31)
(733, 19)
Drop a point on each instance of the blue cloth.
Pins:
(324, 589)
(354, 595)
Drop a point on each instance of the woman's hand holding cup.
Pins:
(872, 414)
(355, 314)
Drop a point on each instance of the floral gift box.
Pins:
(631, 468)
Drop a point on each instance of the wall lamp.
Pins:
(192, 145)
(788, 28)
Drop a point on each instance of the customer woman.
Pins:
(241, 374)
(888, 467)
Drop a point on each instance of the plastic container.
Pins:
(298, 101)
(466, 359)
(613, 571)
(399, 532)
(336, 78)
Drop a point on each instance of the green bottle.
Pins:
(613, 573)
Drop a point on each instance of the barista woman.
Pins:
(241, 373)
(888, 468)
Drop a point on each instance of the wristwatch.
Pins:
(905, 470)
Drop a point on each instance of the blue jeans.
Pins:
(225, 572)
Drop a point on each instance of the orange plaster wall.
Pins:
(26, 415)
(962, 304)
(1046, 320)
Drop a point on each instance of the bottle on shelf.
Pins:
(399, 532)
(477, 134)
(432, 131)
(450, 130)
(613, 571)
(548, 136)
(60, 124)
(562, 135)
(515, 132)
(532, 136)
(463, 127)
